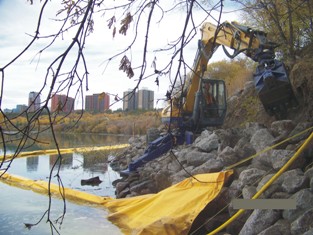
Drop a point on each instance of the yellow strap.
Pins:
(268, 183)
(268, 148)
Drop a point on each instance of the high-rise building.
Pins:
(143, 99)
(62, 103)
(89, 103)
(97, 103)
(129, 100)
(33, 101)
(20, 108)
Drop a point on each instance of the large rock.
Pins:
(261, 139)
(196, 158)
(252, 127)
(207, 143)
(181, 175)
(302, 126)
(138, 142)
(236, 187)
(248, 191)
(273, 188)
(259, 220)
(182, 155)
(309, 232)
(294, 180)
(228, 137)
(304, 202)
(244, 148)
(263, 159)
(251, 176)
(280, 227)
(280, 157)
(144, 187)
(162, 180)
(228, 156)
(236, 226)
(174, 166)
(282, 127)
(303, 223)
(309, 173)
(212, 165)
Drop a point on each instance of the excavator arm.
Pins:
(239, 38)
(202, 101)
(271, 78)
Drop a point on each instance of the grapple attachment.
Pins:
(274, 88)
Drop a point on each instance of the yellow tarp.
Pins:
(171, 211)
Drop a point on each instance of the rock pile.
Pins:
(216, 149)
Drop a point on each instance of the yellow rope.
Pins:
(268, 183)
(267, 149)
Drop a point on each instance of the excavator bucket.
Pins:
(274, 88)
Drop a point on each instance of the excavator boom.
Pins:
(271, 78)
(202, 101)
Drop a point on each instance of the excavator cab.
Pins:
(210, 104)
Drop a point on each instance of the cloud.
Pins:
(28, 72)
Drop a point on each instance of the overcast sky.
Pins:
(19, 18)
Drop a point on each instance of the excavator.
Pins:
(202, 102)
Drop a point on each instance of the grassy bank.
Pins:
(110, 123)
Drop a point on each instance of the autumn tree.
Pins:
(235, 73)
(288, 22)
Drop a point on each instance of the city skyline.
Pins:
(98, 102)
(29, 72)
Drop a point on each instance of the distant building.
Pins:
(20, 108)
(130, 100)
(143, 100)
(34, 101)
(62, 103)
(7, 110)
(89, 103)
(97, 103)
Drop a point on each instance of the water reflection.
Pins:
(69, 140)
(74, 168)
(67, 160)
(32, 164)
(18, 206)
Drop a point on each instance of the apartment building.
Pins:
(97, 103)
(140, 100)
(34, 101)
(62, 103)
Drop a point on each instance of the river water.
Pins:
(19, 206)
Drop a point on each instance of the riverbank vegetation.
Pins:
(130, 123)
